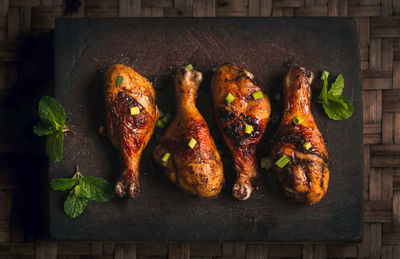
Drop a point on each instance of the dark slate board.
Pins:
(155, 48)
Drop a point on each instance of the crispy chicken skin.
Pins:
(232, 118)
(305, 178)
(129, 133)
(197, 170)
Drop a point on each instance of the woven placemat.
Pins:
(26, 73)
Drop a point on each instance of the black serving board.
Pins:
(155, 48)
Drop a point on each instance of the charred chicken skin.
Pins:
(131, 114)
(242, 112)
(193, 163)
(306, 175)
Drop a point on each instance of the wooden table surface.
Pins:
(26, 74)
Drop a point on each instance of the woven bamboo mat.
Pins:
(26, 68)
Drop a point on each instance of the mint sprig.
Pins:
(83, 189)
(52, 126)
(335, 105)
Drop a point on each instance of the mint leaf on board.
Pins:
(85, 189)
(74, 205)
(98, 189)
(337, 86)
(52, 111)
(336, 106)
(54, 145)
(44, 128)
(63, 184)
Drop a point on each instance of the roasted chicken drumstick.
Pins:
(187, 151)
(131, 113)
(242, 112)
(298, 147)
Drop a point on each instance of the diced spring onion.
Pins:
(282, 161)
(166, 118)
(120, 79)
(160, 124)
(298, 120)
(135, 110)
(192, 143)
(307, 145)
(257, 95)
(229, 98)
(248, 129)
(266, 163)
(161, 113)
(165, 157)
(214, 69)
(190, 67)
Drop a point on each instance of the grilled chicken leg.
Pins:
(305, 177)
(131, 112)
(194, 164)
(232, 116)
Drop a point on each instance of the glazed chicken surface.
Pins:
(131, 114)
(235, 116)
(305, 177)
(194, 164)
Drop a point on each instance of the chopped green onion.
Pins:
(248, 129)
(307, 145)
(257, 95)
(165, 157)
(166, 118)
(160, 124)
(265, 162)
(298, 120)
(278, 97)
(161, 113)
(190, 67)
(135, 110)
(120, 80)
(229, 98)
(214, 69)
(192, 143)
(282, 161)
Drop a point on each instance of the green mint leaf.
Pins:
(338, 108)
(97, 189)
(51, 110)
(63, 184)
(337, 86)
(54, 146)
(74, 206)
(324, 91)
(44, 128)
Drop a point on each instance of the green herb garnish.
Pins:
(135, 110)
(83, 189)
(192, 143)
(298, 120)
(257, 95)
(282, 161)
(190, 67)
(266, 163)
(307, 145)
(160, 124)
(214, 69)
(248, 129)
(52, 126)
(229, 98)
(165, 157)
(120, 79)
(335, 105)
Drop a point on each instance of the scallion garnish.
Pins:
(120, 79)
(266, 163)
(190, 67)
(165, 157)
(282, 161)
(167, 117)
(257, 95)
(298, 120)
(307, 145)
(229, 98)
(135, 110)
(214, 69)
(160, 124)
(248, 129)
(192, 143)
